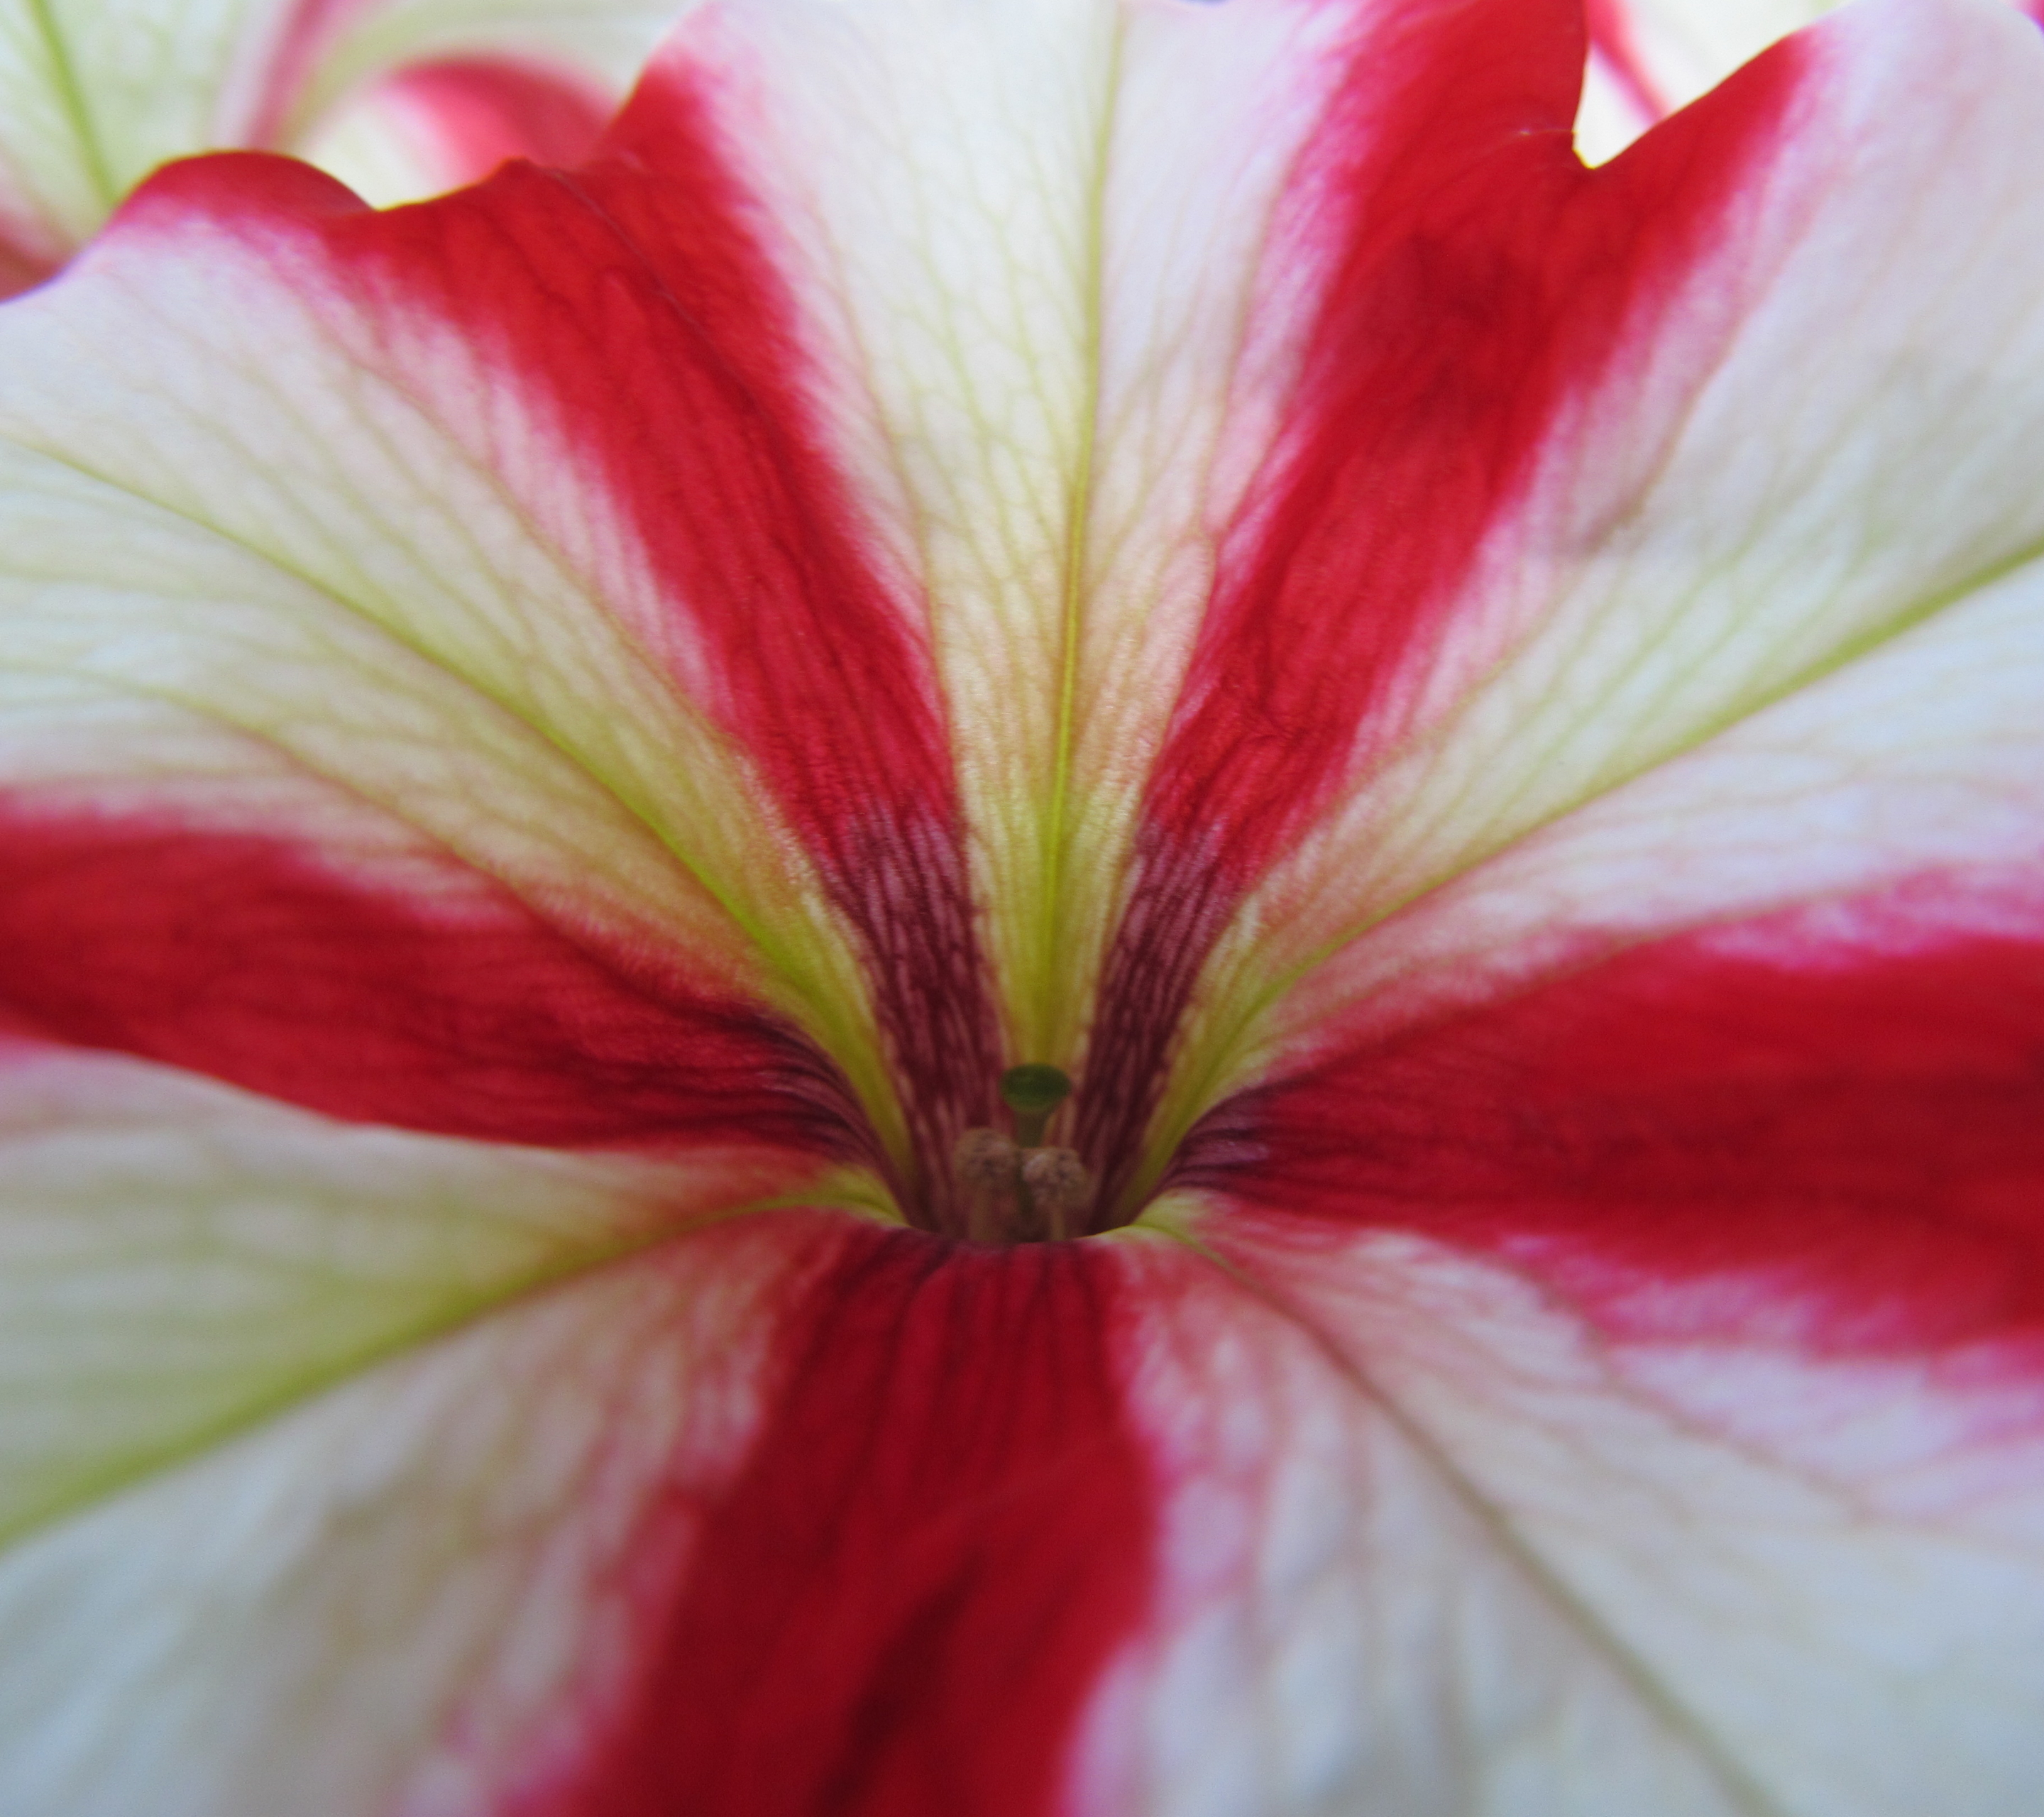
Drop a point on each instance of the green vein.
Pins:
(1072, 589)
(71, 95)
(294, 1389)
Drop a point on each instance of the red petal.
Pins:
(448, 1012)
(903, 1604)
(1842, 1119)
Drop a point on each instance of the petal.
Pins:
(761, 1518)
(1621, 95)
(1338, 1623)
(417, 1592)
(678, 427)
(940, 1538)
(1053, 268)
(1520, 1550)
(1835, 1106)
(338, 46)
(1771, 1012)
(1913, 777)
(1668, 1189)
(1675, 485)
(432, 127)
(183, 1260)
(1653, 57)
(376, 735)
(1650, 57)
(926, 178)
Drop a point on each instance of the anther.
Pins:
(1059, 1186)
(990, 1167)
(985, 1158)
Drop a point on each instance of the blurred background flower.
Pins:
(1650, 57)
(399, 98)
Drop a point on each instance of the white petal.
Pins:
(1340, 1627)
(319, 557)
(1922, 761)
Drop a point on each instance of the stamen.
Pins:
(1055, 1180)
(986, 1158)
(990, 1167)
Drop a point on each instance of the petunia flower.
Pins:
(402, 98)
(584, 760)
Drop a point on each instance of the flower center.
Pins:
(1033, 1153)
(1019, 1188)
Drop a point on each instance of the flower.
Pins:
(401, 98)
(560, 743)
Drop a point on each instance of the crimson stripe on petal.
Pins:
(239, 957)
(1478, 280)
(905, 1601)
(1855, 1133)
(633, 299)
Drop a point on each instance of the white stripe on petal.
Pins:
(408, 1597)
(1433, 1545)
(1339, 1627)
(309, 532)
(1925, 760)
(178, 1258)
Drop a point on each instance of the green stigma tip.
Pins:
(1034, 1091)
